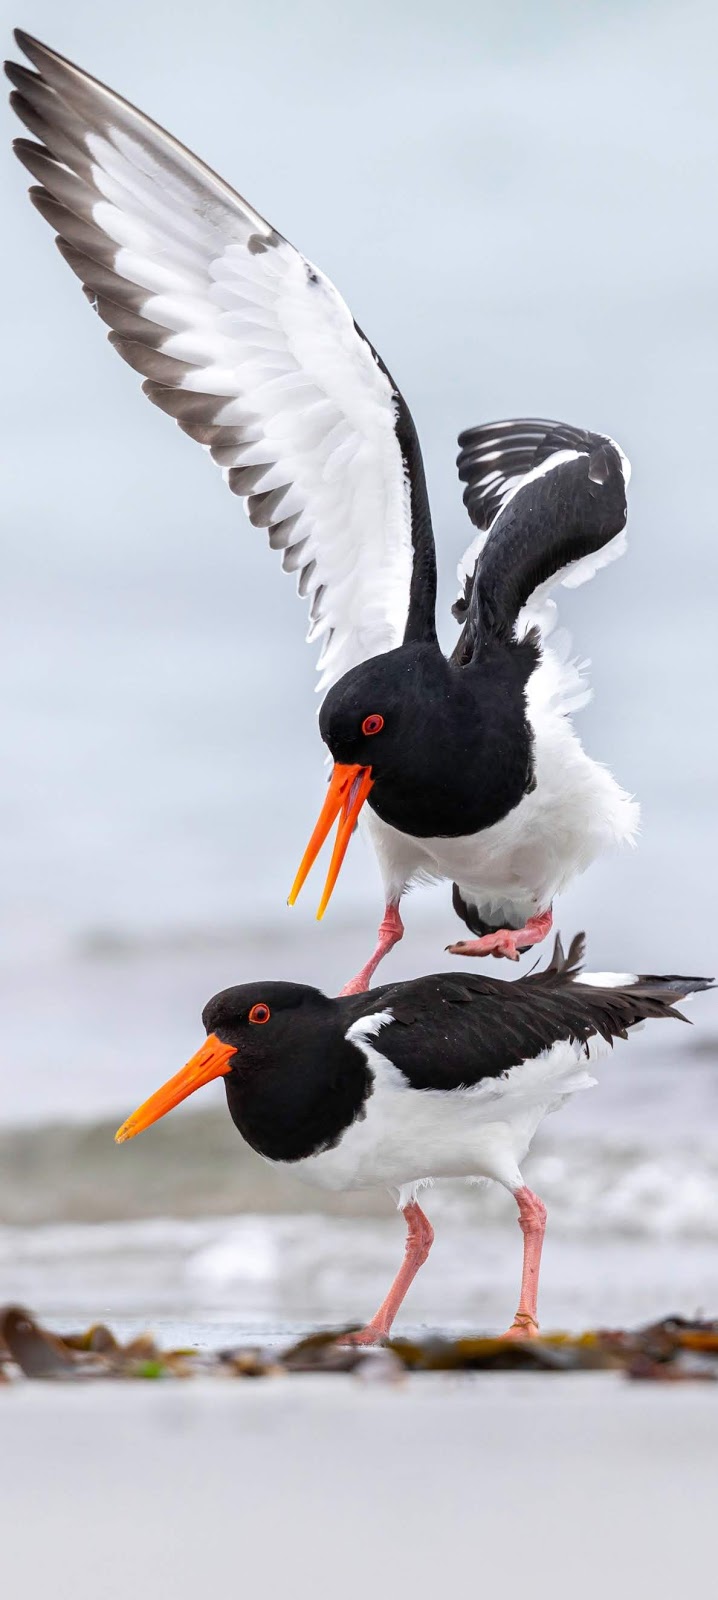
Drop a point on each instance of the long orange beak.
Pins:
(348, 789)
(212, 1061)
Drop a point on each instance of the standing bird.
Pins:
(444, 1077)
(469, 766)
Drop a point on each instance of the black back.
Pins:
(459, 1029)
(297, 1083)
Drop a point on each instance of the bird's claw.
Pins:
(510, 943)
(499, 945)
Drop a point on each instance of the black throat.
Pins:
(299, 1097)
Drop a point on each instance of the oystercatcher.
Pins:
(447, 1076)
(469, 766)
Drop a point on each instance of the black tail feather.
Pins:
(606, 1009)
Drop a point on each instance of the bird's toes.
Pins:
(526, 1328)
(364, 1336)
(506, 950)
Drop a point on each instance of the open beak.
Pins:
(212, 1061)
(348, 789)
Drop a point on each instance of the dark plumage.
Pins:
(551, 521)
(446, 1076)
(448, 1031)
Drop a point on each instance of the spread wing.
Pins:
(549, 501)
(247, 345)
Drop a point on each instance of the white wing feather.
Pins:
(242, 340)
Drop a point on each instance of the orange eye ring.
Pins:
(373, 724)
(260, 1012)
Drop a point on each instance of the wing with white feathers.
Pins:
(247, 346)
(549, 501)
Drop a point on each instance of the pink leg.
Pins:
(390, 932)
(532, 1222)
(419, 1239)
(506, 941)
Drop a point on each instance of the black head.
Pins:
(436, 749)
(255, 1018)
(448, 748)
(293, 1083)
(376, 716)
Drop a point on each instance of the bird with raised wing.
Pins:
(445, 1077)
(466, 769)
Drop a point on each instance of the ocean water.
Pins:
(523, 220)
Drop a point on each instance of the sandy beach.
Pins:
(509, 1483)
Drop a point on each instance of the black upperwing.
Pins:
(543, 495)
(453, 1030)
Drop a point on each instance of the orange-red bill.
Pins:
(348, 789)
(211, 1061)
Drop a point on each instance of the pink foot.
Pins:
(419, 1239)
(509, 942)
(390, 932)
(522, 1327)
(368, 1335)
(532, 1222)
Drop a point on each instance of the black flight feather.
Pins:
(537, 525)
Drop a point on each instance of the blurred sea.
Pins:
(522, 217)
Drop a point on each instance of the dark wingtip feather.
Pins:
(19, 76)
(31, 46)
(28, 147)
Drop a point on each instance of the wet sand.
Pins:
(320, 1486)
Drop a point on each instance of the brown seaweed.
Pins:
(675, 1350)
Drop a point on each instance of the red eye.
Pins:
(373, 724)
(260, 1013)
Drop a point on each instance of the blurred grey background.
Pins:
(518, 203)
